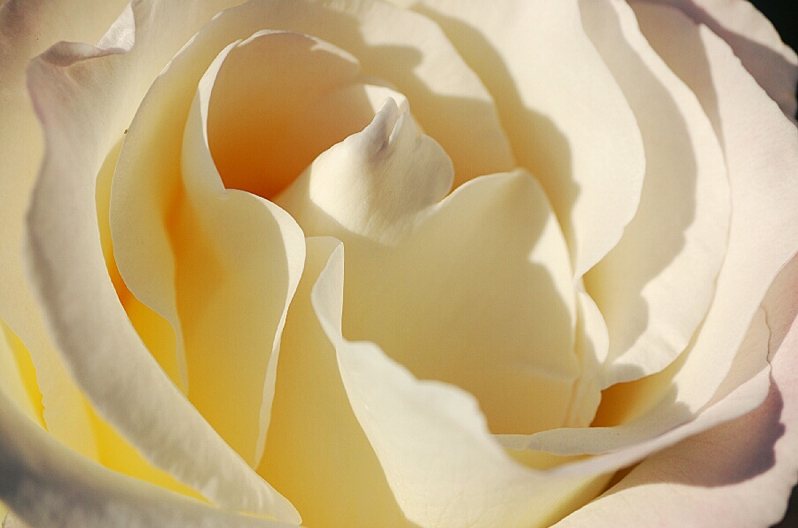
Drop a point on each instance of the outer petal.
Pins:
(26, 29)
(80, 95)
(557, 114)
(761, 148)
(754, 40)
(48, 486)
(655, 287)
(736, 475)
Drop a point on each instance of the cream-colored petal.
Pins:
(568, 125)
(18, 375)
(737, 474)
(26, 29)
(375, 182)
(77, 96)
(432, 442)
(316, 452)
(46, 485)
(754, 40)
(655, 287)
(475, 291)
(761, 148)
(238, 262)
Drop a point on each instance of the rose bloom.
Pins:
(437, 264)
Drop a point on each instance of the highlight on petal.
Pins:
(238, 259)
(77, 93)
(736, 474)
(433, 443)
(760, 146)
(317, 455)
(375, 182)
(47, 485)
(754, 40)
(27, 28)
(556, 115)
(654, 288)
(482, 279)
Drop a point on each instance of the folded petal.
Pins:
(761, 150)
(433, 443)
(47, 485)
(737, 474)
(655, 287)
(77, 94)
(754, 40)
(316, 452)
(556, 114)
(26, 29)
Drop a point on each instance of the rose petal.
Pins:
(761, 148)
(316, 452)
(655, 287)
(754, 40)
(18, 376)
(47, 485)
(556, 115)
(485, 270)
(373, 183)
(737, 474)
(238, 263)
(432, 441)
(79, 93)
(26, 29)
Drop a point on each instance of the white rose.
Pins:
(360, 264)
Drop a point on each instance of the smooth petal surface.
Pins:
(655, 287)
(316, 452)
(433, 444)
(77, 97)
(754, 40)
(48, 486)
(738, 474)
(375, 182)
(761, 147)
(482, 278)
(556, 115)
(26, 29)
(238, 262)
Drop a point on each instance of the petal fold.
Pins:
(77, 94)
(556, 115)
(655, 287)
(47, 486)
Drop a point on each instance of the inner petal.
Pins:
(279, 102)
(474, 290)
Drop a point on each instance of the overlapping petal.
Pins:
(100, 346)
(316, 452)
(655, 287)
(26, 29)
(734, 475)
(556, 114)
(48, 485)
(755, 42)
(760, 147)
